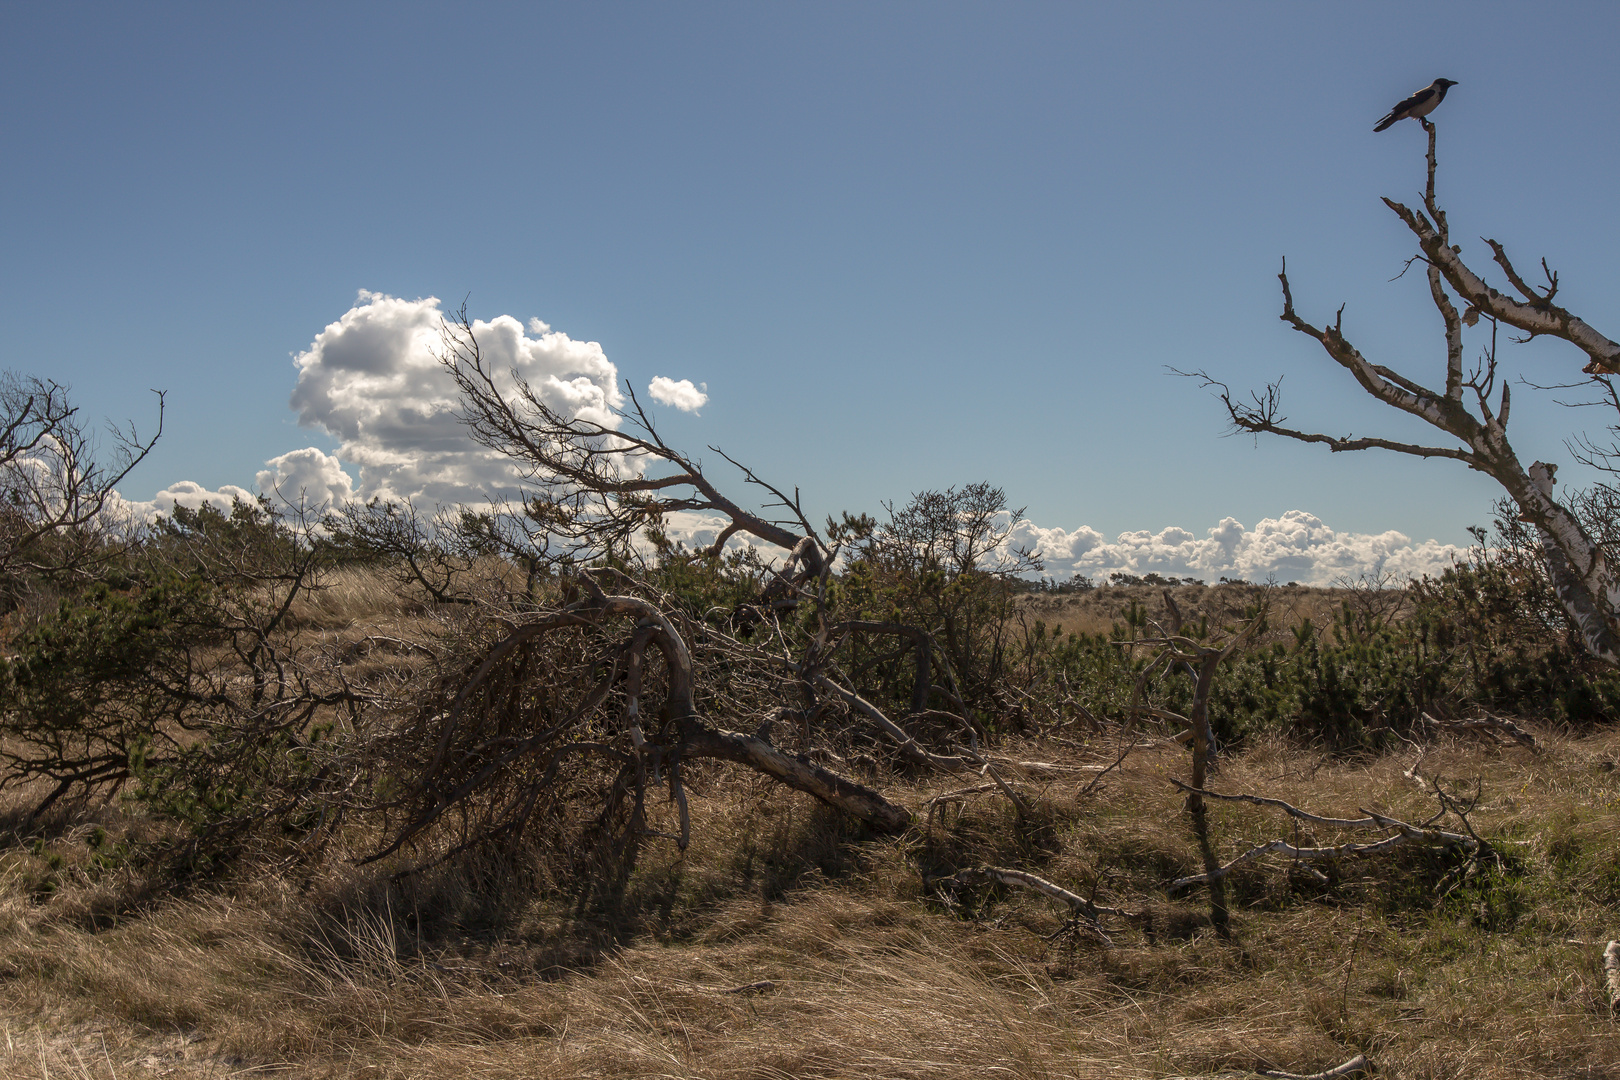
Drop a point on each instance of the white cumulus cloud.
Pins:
(681, 395)
(309, 476)
(1297, 546)
(186, 493)
(373, 380)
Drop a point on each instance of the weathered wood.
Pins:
(1405, 833)
(1611, 973)
(909, 747)
(1357, 1064)
(1287, 808)
(798, 773)
(1493, 726)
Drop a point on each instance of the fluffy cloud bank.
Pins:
(373, 380)
(681, 395)
(191, 496)
(1297, 546)
(309, 476)
(1294, 547)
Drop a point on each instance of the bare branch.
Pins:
(597, 483)
(1536, 315)
(1611, 973)
(1081, 909)
(1357, 1064)
(1287, 808)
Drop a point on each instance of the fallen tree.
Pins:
(500, 727)
(604, 690)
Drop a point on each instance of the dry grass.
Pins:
(870, 974)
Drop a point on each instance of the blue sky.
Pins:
(903, 245)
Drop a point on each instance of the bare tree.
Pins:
(601, 695)
(54, 489)
(1470, 408)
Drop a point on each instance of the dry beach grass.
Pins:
(783, 945)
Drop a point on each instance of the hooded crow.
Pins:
(1421, 103)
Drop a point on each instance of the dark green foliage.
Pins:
(85, 694)
(1479, 637)
(944, 565)
(181, 682)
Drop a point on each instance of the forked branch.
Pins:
(601, 480)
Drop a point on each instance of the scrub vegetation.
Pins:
(530, 789)
(361, 795)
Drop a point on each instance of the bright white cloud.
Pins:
(309, 476)
(186, 493)
(697, 529)
(681, 395)
(1294, 547)
(373, 380)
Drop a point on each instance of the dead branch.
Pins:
(490, 759)
(1287, 808)
(596, 483)
(1083, 911)
(953, 798)
(829, 787)
(1611, 973)
(761, 987)
(1536, 315)
(1357, 1064)
(1046, 770)
(1491, 727)
(1404, 833)
(909, 747)
(1298, 854)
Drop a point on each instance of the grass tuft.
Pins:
(784, 943)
